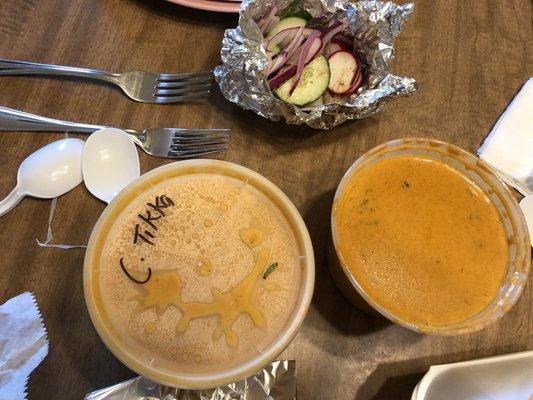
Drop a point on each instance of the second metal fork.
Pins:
(140, 86)
(160, 142)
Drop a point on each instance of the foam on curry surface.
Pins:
(208, 240)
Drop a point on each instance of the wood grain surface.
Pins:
(470, 58)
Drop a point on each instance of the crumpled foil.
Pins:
(277, 381)
(374, 25)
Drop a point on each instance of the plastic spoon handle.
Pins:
(11, 201)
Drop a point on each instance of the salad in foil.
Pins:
(314, 62)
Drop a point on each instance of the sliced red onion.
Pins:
(279, 62)
(278, 38)
(293, 49)
(313, 52)
(303, 57)
(297, 41)
(287, 52)
(265, 21)
(332, 27)
(305, 33)
(285, 37)
(283, 77)
(331, 31)
(271, 55)
(272, 23)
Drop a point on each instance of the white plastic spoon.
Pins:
(50, 172)
(110, 163)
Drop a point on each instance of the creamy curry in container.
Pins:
(201, 272)
(422, 240)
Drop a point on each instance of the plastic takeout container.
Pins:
(496, 190)
(496, 378)
(145, 364)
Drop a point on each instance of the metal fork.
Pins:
(160, 142)
(141, 86)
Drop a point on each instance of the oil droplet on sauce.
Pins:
(272, 287)
(150, 328)
(252, 237)
(205, 267)
(164, 290)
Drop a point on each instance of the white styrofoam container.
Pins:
(508, 377)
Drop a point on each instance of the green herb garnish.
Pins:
(269, 270)
(294, 9)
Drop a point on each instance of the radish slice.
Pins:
(341, 44)
(331, 48)
(303, 57)
(336, 45)
(356, 84)
(283, 77)
(358, 78)
(343, 66)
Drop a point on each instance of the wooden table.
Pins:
(470, 57)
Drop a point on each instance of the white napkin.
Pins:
(23, 344)
(509, 147)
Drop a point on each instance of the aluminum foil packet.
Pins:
(277, 381)
(374, 26)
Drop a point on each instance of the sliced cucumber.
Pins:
(286, 23)
(313, 83)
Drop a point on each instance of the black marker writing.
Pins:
(131, 277)
(148, 220)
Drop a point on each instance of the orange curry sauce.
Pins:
(422, 240)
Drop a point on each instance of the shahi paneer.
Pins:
(422, 240)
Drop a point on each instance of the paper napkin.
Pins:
(23, 344)
(509, 147)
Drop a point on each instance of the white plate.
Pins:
(508, 377)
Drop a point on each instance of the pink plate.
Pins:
(217, 6)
